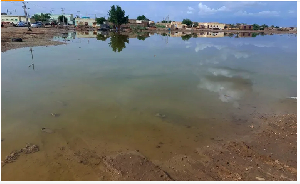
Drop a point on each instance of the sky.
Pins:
(278, 13)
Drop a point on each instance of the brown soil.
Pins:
(268, 152)
(36, 37)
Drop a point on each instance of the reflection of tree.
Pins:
(195, 35)
(141, 37)
(186, 37)
(117, 42)
(102, 37)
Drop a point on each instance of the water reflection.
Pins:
(117, 42)
(32, 64)
(230, 84)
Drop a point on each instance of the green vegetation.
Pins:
(142, 17)
(117, 16)
(186, 37)
(100, 20)
(256, 27)
(195, 24)
(160, 26)
(117, 42)
(188, 22)
(255, 34)
(43, 17)
(141, 37)
(63, 19)
(102, 37)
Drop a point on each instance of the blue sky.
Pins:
(279, 13)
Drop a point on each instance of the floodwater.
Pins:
(161, 94)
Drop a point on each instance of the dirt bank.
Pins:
(36, 37)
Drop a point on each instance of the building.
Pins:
(174, 25)
(212, 25)
(15, 19)
(85, 21)
(246, 27)
(68, 16)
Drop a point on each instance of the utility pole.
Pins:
(26, 14)
(62, 10)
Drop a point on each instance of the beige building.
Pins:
(211, 25)
(175, 25)
(84, 22)
(15, 19)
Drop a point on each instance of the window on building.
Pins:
(16, 19)
(249, 27)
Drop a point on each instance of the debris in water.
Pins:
(160, 115)
(47, 130)
(55, 114)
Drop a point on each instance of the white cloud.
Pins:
(291, 11)
(203, 9)
(189, 12)
(262, 13)
(190, 8)
(235, 5)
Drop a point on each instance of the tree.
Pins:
(188, 22)
(117, 16)
(142, 17)
(42, 17)
(62, 18)
(100, 20)
(272, 26)
(276, 27)
(195, 24)
(102, 37)
(264, 26)
(256, 27)
(186, 37)
(117, 42)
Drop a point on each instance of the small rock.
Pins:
(260, 179)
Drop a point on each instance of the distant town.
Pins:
(140, 23)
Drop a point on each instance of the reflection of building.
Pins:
(87, 34)
(245, 34)
(211, 25)
(15, 19)
(211, 34)
(246, 27)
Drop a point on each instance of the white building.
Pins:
(15, 19)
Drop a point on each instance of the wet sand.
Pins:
(266, 151)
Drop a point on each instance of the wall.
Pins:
(82, 21)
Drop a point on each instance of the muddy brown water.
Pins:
(107, 101)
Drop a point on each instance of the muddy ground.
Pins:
(268, 152)
(36, 37)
